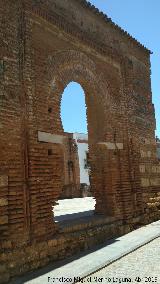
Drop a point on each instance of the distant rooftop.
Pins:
(80, 136)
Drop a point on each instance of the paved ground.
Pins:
(144, 262)
(68, 209)
(140, 266)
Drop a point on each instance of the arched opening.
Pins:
(73, 109)
(76, 198)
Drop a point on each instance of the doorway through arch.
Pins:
(76, 199)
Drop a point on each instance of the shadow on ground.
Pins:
(50, 267)
(74, 216)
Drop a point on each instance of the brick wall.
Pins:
(71, 176)
(44, 46)
(158, 150)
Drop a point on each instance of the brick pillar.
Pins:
(108, 179)
(12, 102)
(131, 196)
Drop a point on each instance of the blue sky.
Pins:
(141, 18)
(73, 109)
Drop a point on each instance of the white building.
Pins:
(82, 144)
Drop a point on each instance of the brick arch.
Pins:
(67, 66)
(64, 67)
(80, 67)
(124, 174)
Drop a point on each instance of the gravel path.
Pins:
(75, 205)
(68, 209)
(141, 266)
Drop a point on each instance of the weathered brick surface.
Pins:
(71, 170)
(44, 45)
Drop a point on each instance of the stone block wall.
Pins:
(44, 45)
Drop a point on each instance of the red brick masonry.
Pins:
(44, 45)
